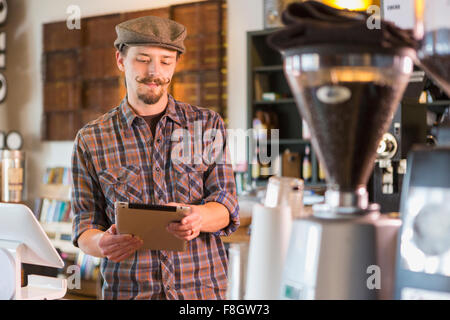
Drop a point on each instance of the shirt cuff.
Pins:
(78, 229)
(230, 202)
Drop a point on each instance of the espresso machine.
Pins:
(423, 255)
(408, 128)
(347, 89)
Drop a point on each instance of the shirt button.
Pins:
(158, 140)
(157, 169)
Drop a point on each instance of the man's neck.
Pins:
(143, 109)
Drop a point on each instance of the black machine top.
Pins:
(311, 23)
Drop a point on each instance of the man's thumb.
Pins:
(112, 229)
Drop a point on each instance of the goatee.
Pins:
(150, 98)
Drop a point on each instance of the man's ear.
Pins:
(119, 60)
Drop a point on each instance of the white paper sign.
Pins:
(400, 12)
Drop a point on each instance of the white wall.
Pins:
(23, 109)
(243, 16)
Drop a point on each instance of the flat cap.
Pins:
(151, 30)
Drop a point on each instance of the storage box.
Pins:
(100, 31)
(99, 63)
(61, 65)
(103, 95)
(62, 95)
(57, 36)
(61, 126)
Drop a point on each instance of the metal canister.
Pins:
(12, 175)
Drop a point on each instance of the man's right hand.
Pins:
(118, 247)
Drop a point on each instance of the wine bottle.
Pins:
(307, 166)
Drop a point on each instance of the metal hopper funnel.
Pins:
(348, 97)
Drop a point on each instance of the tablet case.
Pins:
(149, 222)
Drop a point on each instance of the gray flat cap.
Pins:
(151, 30)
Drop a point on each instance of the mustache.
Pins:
(158, 81)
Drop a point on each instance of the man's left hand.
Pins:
(189, 227)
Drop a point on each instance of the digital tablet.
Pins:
(149, 222)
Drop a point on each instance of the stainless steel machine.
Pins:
(423, 255)
(348, 93)
(348, 100)
(423, 261)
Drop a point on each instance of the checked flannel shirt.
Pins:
(116, 158)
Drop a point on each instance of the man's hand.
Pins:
(208, 217)
(190, 226)
(117, 247)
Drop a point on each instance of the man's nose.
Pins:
(154, 68)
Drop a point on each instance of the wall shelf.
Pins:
(265, 74)
(278, 101)
(273, 68)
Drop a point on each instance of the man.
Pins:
(131, 154)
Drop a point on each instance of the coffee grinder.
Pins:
(348, 94)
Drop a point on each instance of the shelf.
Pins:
(279, 101)
(273, 68)
(57, 227)
(59, 192)
(437, 106)
(291, 141)
(437, 103)
(55, 230)
(308, 185)
(285, 141)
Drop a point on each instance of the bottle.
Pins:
(322, 175)
(307, 166)
(255, 167)
(264, 170)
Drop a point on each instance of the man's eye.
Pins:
(165, 63)
(143, 60)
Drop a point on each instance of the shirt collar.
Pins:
(173, 111)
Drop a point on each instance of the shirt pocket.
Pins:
(122, 184)
(189, 183)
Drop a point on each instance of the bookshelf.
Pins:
(53, 210)
(265, 74)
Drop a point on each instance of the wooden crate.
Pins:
(100, 31)
(58, 37)
(213, 50)
(213, 91)
(99, 63)
(89, 115)
(204, 89)
(191, 58)
(61, 65)
(103, 95)
(61, 126)
(62, 95)
(159, 12)
(203, 52)
(186, 87)
(199, 16)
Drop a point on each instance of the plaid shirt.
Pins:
(116, 158)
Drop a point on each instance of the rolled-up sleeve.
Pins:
(88, 202)
(219, 183)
